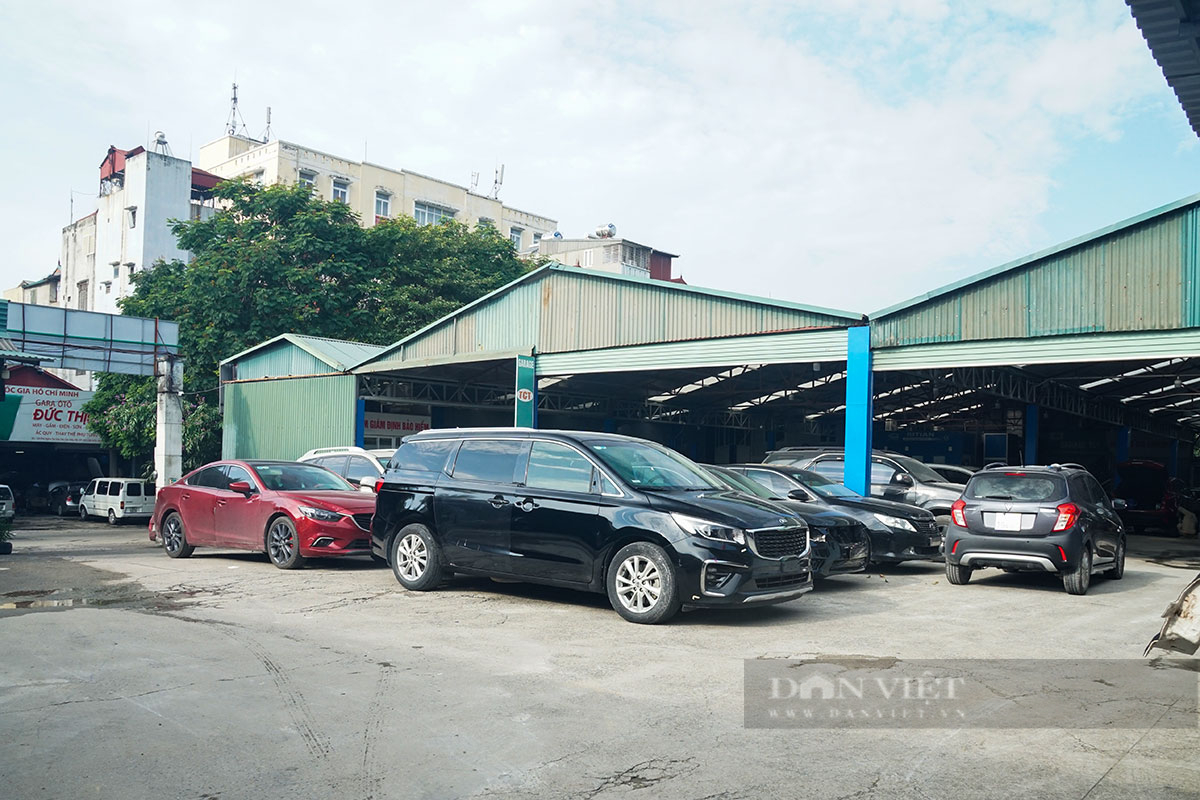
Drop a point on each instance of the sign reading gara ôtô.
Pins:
(45, 414)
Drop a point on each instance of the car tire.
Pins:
(642, 585)
(174, 537)
(958, 574)
(283, 544)
(1079, 579)
(60, 510)
(112, 517)
(416, 559)
(83, 515)
(1117, 570)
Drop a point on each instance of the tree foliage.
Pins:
(278, 259)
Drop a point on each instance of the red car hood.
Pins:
(349, 502)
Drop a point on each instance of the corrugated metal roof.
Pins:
(1141, 274)
(1172, 30)
(338, 354)
(558, 309)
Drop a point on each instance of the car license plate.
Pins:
(1008, 522)
(790, 565)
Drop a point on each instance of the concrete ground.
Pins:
(125, 674)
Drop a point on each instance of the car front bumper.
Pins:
(895, 544)
(715, 574)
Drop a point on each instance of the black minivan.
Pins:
(592, 511)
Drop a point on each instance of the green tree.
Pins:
(278, 259)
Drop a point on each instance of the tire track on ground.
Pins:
(372, 777)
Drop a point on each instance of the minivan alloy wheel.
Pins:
(412, 557)
(639, 583)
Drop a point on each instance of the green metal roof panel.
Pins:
(558, 309)
(324, 355)
(1140, 275)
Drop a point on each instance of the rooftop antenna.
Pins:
(160, 143)
(474, 180)
(235, 124)
(266, 137)
(495, 195)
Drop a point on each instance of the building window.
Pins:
(487, 221)
(341, 191)
(429, 214)
(81, 298)
(308, 178)
(537, 237)
(514, 234)
(383, 205)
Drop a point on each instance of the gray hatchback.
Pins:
(1054, 519)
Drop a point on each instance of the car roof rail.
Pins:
(995, 465)
(1072, 465)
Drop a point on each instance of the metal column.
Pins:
(859, 410)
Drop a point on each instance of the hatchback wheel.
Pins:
(174, 537)
(283, 545)
(1077, 580)
(642, 586)
(416, 559)
(1117, 570)
(957, 573)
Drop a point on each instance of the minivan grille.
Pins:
(364, 521)
(780, 542)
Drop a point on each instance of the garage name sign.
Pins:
(377, 424)
(45, 414)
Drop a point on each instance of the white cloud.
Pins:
(848, 154)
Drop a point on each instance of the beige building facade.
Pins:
(375, 192)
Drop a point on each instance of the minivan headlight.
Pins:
(895, 522)
(709, 530)
(322, 514)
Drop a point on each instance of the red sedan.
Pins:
(291, 511)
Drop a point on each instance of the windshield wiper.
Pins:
(997, 497)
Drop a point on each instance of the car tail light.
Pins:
(378, 485)
(1062, 552)
(957, 513)
(122, 504)
(1068, 513)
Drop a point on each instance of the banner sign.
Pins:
(525, 401)
(45, 414)
(394, 425)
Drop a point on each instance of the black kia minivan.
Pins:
(592, 511)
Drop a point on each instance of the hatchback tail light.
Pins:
(378, 485)
(958, 513)
(1068, 513)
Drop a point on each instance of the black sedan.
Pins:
(839, 540)
(899, 532)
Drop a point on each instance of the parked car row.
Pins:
(629, 518)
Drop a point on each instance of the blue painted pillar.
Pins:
(860, 410)
(1031, 433)
(360, 417)
(1173, 459)
(1124, 435)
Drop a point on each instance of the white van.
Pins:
(117, 499)
(360, 467)
(8, 506)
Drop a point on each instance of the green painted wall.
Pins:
(285, 418)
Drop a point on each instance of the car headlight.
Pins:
(709, 530)
(322, 514)
(895, 522)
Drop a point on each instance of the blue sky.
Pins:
(846, 153)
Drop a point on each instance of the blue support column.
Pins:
(360, 416)
(1031, 433)
(860, 411)
(1173, 459)
(1124, 435)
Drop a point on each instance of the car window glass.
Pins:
(235, 473)
(1016, 486)
(360, 468)
(133, 490)
(491, 460)
(882, 473)
(211, 477)
(556, 466)
(778, 485)
(150, 490)
(102, 487)
(1099, 496)
(606, 484)
(334, 464)
(424, 456)
(5, 493)
(286, 477)
(114, 489)
(832, 469)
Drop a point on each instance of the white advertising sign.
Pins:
(45, 414)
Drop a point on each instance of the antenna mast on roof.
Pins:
(266, 137)
(235, 124)
(495, 195)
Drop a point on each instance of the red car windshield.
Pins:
(300, 478)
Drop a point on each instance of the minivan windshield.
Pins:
(740, 483)
(919, 471)
(647, 466)
(1016, 486)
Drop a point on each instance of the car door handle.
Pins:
(527, 505)
(221, 502)
(187, 496)
(498, 502)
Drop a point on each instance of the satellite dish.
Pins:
(558, 234)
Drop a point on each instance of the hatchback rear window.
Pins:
(427, 456)
(1027, 488)
(5, 493)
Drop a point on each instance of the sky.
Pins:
(842, 153)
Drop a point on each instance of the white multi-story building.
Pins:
(375, 192)
(606, 252)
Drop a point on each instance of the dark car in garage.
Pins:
(1151, 502)
(898, 531)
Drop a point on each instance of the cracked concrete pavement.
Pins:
(130, 675)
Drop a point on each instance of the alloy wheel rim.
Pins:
(639, 584)
(172, 534)
(412, 557)
(282, 542)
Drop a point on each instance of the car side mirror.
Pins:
(798, 494)
(1119, 504)
(903, 479)
(241, 487)
(367, 484)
